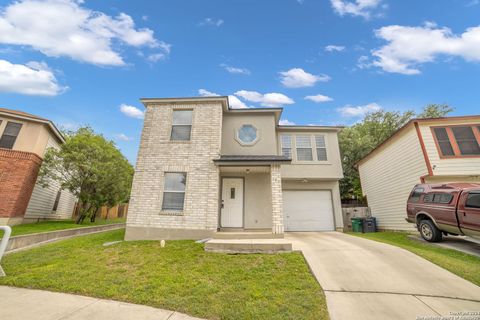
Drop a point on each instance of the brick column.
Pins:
(277, 202)
(18, 174)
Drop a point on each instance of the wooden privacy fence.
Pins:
(350, 212)
(118, 211)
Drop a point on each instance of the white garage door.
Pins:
(308, 210)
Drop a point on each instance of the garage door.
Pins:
(308, 210)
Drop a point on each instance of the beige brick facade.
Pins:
(157, 155)
(277, 202)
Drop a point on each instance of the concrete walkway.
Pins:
(27, 304)
(365, 279)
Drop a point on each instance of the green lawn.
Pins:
(464, 265)
(181, 276)
(45, 226)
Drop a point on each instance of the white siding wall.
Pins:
(42, 200)
(453, 166)
(389, 175)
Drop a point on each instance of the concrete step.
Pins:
(247, 235)
(248, 245)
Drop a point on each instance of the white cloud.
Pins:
(358, 111)
(155, 57)
(65, 28)
(123, 137)
(286, 122)
(331, 48)
(131, 111)
(362, 8)
(34, 78)
(408, 47)
(298, 78)
(267, 100)
(211, 22)
(472, 3)
(318, 98)
(235, 103)
(206, 93)
(235, 69)
(69, 126)
(363, 62)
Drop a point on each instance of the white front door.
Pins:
(232, 203)
(308, 210)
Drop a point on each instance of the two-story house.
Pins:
(24, 139)
(204, 167)
(423, 151)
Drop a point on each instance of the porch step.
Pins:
(247, 235)
(248, 245)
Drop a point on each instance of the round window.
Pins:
(247, 134)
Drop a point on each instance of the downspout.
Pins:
(425, 154)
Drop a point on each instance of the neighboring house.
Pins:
(203, 167)
(423, 151)
(24, 139)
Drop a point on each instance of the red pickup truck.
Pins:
(449, 208)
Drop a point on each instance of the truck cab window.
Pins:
(473, 200)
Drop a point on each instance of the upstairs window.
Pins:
(181, 125)
(174, 191)
(443, 141)
(10, 135)
(466, 141)
(458, 141)
(247, 134)
(321, 148)
(286, 141)
(304, 148)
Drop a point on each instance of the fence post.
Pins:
(3, 245)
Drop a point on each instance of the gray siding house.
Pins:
(204, 167)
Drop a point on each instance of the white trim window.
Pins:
(174, 191)
(286, 141)
(247, 134)
(304, 148)
(321, 148)
(181, 125)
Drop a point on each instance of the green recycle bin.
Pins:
(357, 225)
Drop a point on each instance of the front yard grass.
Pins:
(462, 264)
(46, 226)
(181, 277)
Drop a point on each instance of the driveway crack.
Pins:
(427, 305)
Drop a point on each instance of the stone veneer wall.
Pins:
(157, 155)
(277, 199)
(18, 173)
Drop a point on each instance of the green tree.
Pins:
(435, 111)
(360, 139)
(91, 168)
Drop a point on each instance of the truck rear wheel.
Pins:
(429, 231)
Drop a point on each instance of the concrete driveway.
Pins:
(365, 279)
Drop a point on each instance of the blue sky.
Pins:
(325, 61)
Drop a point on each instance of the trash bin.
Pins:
(370, 224)
(357, 224)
